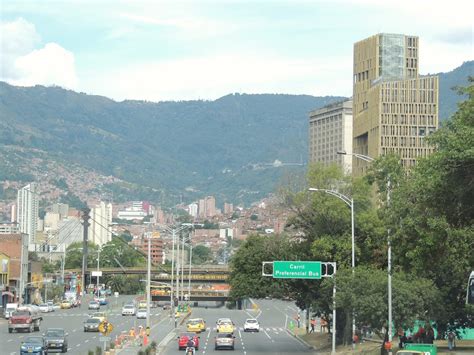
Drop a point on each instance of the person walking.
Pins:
(313, 324)
(451, 341)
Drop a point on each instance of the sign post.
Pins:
(105, 328)
(310, 270)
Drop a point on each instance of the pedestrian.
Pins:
(313, 324)
(402, 340)
(298, 320)
(451, 341)
(429, 337)
(324, 325)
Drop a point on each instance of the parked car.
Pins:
(52, 305)
(141, 313)
(103, 301)
(224, 341)
(94, 305)
(129, 310)
(92, 325)
(56, 338)
(251, 325)
(183, 339)
(33, 345)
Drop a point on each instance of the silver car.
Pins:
(224, 341)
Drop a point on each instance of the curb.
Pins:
(302, 341)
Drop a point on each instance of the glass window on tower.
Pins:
(392, 56)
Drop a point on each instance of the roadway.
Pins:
(72, 320)
(272, 339)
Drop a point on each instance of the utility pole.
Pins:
(85, 224)
(148, 284)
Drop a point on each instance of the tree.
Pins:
(414, 298)
(432, 215)
(201, 254)
(246, 278)
(74, 253)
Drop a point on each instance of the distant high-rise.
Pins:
(27, 213)
(394, 108)
(330, 131)
(101, 219)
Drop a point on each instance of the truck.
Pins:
(9, 309)
(25, 318)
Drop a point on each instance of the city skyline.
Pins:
(205, 50)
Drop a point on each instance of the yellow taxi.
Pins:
(196, 325)
(99, 315)
(142, 304)
(65, 304)
(225, 326)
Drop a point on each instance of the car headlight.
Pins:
(23, 347)
(37, 348)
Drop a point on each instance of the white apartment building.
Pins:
(330, 131)
(193, 209)
(27, 213)
(100, 222)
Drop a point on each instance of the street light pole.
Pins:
(189, 274)
(148, 283)
(389, 247)
(350, 202)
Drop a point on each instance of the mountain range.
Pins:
(236, 148)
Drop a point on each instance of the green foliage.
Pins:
(432, 215)
(253, 217)
(119, 249)
(246, 278)
(74, 255)
(125, 284)
(72, 200)
(201, 254)
(414, 298)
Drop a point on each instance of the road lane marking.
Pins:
(269, 337)
(86, 341)
(78, 345)
(9, 340)
(74, 330)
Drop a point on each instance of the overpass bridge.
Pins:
(199, 274)
(196, 295)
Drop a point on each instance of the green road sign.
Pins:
(297, 269)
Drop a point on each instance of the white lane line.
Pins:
(74, 330)
(86, 341)
(78, 345)
(269, 337)
(95, 336)
(9, 340)
(21, 336)
(13, 353)
(69, 349)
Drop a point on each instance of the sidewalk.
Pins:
(321, 343)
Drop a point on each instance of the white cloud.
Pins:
(50, 65)
(215, 76)
(18, 38)
(22, 64)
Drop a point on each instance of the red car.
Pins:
(184, 338)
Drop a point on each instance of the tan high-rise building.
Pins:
(394, 108)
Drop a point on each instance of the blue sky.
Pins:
(182, 50)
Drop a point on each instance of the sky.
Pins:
(189, 50)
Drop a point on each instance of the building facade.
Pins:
(394, 108)
(100, 222)
(27, 213)
(330, 131)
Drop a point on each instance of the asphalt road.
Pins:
(273, 316)
(72, 320)
(273, 338)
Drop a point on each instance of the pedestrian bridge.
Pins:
(201, 273)
(196, 295)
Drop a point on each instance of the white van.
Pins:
(9, 309)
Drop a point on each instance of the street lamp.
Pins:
(389, 246)
(349, 202)
(174, 232)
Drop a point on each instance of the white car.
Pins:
(129, 310)
(141, 313)
(45, 308)
(251, 325)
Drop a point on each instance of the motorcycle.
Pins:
(190, 350)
